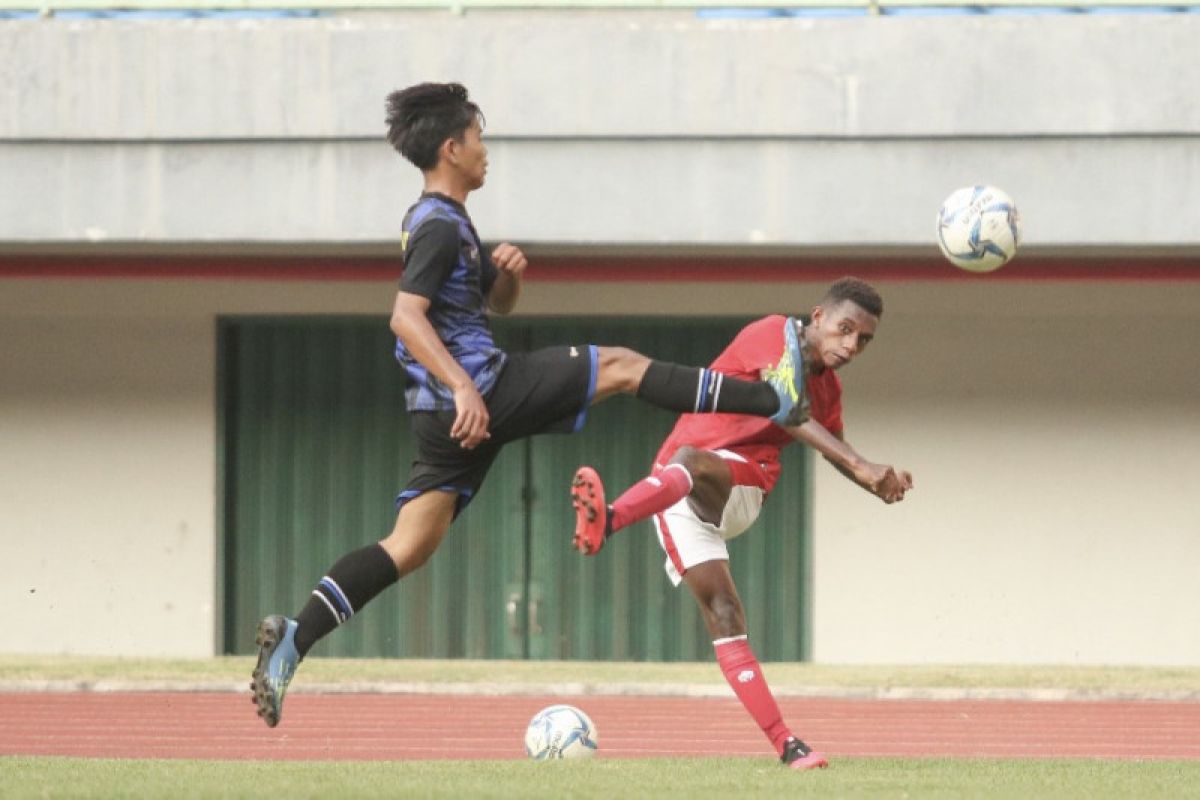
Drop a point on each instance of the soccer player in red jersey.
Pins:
(713, 472)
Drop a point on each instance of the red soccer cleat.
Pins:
(591, 512)
(797, 755)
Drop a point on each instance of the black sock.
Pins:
(347, 587)
(697, 390)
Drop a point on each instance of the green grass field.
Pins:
(600, 778)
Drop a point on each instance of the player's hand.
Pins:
(893, 486)
(509, 259)
(471, 418)
(885, 483)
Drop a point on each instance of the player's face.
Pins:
(469, 156)
(839, 333)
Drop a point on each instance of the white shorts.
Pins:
(689, 540)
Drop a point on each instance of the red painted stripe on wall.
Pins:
(201, 267)
(601, 269)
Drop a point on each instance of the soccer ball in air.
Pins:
(560, 732)
(978, 228)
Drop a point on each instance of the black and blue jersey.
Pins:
(445, 263)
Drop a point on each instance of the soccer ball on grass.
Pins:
(978, 228)
(560, 732)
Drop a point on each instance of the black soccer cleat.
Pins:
(798, 755)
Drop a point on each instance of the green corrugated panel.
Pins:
(316, 446)
(619, 604)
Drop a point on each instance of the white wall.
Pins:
(108, 460)
(1052, 431)
(106, 484)
(1050, 426)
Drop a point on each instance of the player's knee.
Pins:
(410, 546)
(622, 368)
(707, 470)
(414, 559)
(688, 457)
(402, 553)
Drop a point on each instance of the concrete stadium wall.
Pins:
(108, 459)
(1050, 427)
(1047, 423)
(1050, 430)
(106, 484)
(606, 128)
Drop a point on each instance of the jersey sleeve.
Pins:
(429, 257)
(755, 347)
(487, 270)
(833, 420)
(826, 394)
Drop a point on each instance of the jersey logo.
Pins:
(403, 241)
(574, 351)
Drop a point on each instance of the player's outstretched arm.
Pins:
(510, 265)
(882, 480)
(411, 325)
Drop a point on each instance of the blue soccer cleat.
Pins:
(787, 379)
(277, 660)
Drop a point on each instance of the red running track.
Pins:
(390, 726)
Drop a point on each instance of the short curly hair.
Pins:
(856, 291)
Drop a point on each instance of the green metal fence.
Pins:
(315, 446)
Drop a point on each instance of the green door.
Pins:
(315, 446)
(619, 604)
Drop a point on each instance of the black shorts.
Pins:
(544, 391)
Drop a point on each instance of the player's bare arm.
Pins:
(510, 265)
(882, 480)
(411, 325)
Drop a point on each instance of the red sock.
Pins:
(651, 495)
(745, 676)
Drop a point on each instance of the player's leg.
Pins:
(420, 527)
(779, 395)
(700, 475)
(697, 554)
(711, 583)
(548, 390)
(353, 581)
(361, 575)
(442, 482)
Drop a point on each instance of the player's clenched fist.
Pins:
(893, 485)
(509, 259)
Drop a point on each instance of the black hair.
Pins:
(422, 117)
(857, 291)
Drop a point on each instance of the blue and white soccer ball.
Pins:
(978, 228)
(560, 732)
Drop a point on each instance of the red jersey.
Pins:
(757, 439)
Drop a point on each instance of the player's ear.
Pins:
(818, 313)
(448, 152)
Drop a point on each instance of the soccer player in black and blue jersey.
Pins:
(467, 397)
